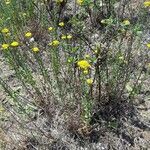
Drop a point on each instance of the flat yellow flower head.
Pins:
(5, 30)
(147, 3)
(83, 64)
(50, 28)
(35, 49)
(61, 24)
(85, 71)
(87, 56)
(148, 45)
(14, 44)
(59, 1)
(7, 2)
(63, 37)
(69, 36)
(126, 22)
(89, 81)
(28, 35)
(80, 2)
(54, 43)
(5, 46)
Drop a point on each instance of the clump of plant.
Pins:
(64, 65)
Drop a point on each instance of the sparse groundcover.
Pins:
(74, 75)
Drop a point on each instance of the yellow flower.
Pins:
(83, 64)
(54, 43)
(80, 2)
(35, 49)
(147, 3)
(7, 2)
(14, 44)
(5, 46)
(63, 37)
(126, 22)
(28, 34)
(5, 30)
(87, 56)
(148, 45)
(85, 71)
(50, 28)
(61, 24)
(69, 36)
(59, 1)
(89, 81)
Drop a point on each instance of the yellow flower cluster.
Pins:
(61, 24)
(147, 3)
(54, 43)
(5, 46)
(87, 56)
(126, 22)
(83, 64)
(35, 49)
(7, 2)
(14, 44)
(66, 37)
(63, 37)
(28, 34)
(50, 28)
(89, 81)
(5, 30)
(148, 45)
(80, 2)
(86, 71)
